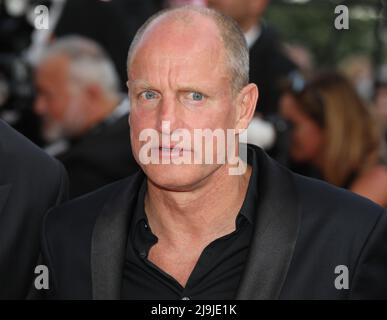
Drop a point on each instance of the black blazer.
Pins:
(304, 229)
(100, 157)
(30, 183)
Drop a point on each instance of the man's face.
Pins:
(178, 75)
(56, 102)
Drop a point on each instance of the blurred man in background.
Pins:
(77, 99)
(112, 24)
(268, 63)
(30, 184)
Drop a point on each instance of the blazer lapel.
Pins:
(109, 242)
(275, 235)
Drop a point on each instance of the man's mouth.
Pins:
(172, 151)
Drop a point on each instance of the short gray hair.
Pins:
(88, 62)
(234, 42)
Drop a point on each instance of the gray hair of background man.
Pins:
(89, 63)
(234, 42)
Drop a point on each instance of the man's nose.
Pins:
(168, 112)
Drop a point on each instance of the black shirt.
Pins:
(217, 272)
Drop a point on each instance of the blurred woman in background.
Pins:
(334, 132)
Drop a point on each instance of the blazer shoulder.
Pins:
(39, 181)
(83, 211)
(22, 153)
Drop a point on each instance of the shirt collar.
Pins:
(250, 204)
(140, 238)
(139, 214)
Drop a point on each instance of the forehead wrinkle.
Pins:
(176, 69)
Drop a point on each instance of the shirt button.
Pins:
(185, 298)
(145, 226)
(143, 254)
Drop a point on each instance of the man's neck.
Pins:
(201, 215)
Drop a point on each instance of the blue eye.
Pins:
(148, 95)
(197, 96)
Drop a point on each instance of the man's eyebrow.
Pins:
(205, 89)
(192, 88)
(140, 83)
(184, 87)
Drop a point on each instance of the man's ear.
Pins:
(246, 103)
